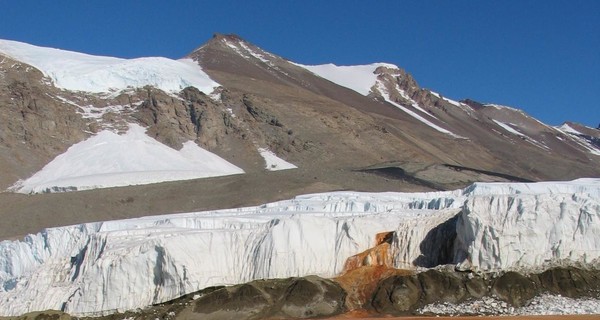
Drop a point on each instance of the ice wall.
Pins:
(529, 226)
(98, 268)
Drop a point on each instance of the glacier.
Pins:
(99, 74)
(104, 267)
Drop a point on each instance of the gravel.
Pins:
(541, 305)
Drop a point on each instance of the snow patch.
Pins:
(235, 48)
(98, 74)
(578, 137)
(385, 94)
(360, 78)
(456, 103)
(567, 128)
(247, 52)
(111, 160)
(273, 162)
(509, 128)
(254, 53)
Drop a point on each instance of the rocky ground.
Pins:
(60, 209)
(538, 317)
(433, 293)
(456, 293)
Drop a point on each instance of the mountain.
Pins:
(277, 169)
(350, 118)
(366, 128)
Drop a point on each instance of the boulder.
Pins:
(515, 288)
(292, 298)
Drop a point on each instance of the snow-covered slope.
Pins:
(360, 78)
(380, 87)
(590, 143)
(365, 80)
(81, 72)
(101, 267)
(110, 160)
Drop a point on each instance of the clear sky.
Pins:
(542, 56)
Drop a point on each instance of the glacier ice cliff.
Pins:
(529, 226)
(103, 267)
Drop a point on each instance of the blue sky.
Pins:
(540, 56)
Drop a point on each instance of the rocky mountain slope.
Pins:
(262, 101)
(417, 125)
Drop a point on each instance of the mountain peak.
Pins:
(230, 36)
(230, 43)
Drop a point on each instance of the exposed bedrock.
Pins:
(292, 298)
(404, 294)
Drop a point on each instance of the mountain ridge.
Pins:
(333, 134)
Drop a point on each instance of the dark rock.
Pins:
(241, 302)
(514, 288)
(312, 297)
(281, 298)
(476, 286)
(405, 294)
(473, 104)
(570, 282)
(398, 295)
(441, 286)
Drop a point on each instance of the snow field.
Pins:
(97, 74)
(110, 160)
(360, 78)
